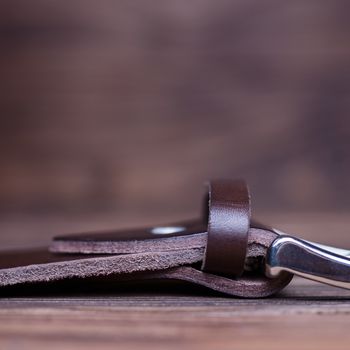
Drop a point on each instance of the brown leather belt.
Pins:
(224, 251)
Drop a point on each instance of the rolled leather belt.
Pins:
(223, 252)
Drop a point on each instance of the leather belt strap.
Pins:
(225, 244)
(106, 257)
(228, 226)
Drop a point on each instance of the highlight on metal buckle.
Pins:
(310, 260)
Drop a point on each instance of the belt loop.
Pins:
(228, 226)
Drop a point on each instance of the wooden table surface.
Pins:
(304, 315)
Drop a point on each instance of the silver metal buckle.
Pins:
(310, 260)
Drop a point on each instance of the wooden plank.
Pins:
(110, 106)
(307, 315)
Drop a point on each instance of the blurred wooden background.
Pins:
(114, 113)
(119, 106)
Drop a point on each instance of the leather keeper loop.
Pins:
(228, 226)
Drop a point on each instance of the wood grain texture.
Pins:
(307, 316)
(173, 316)
(110, 105)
